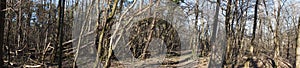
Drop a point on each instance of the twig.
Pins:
(44, 52)
(83, 46)
(85, 35)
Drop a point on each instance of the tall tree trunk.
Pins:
(276, 37)
(2, 21)
(298, 47)
(60, 33)
(254, 27)
(253, 43)
(215, 24)
(226, 59)
(196, 31)
(212, 62)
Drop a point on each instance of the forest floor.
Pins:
(186, 60)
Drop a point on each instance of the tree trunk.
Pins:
(60, 34)
(253, 43)
(276, 37)
(228, 34)
(298, 47)
(213, 60)
(254, 27)
(194, 45)
(2, 21)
